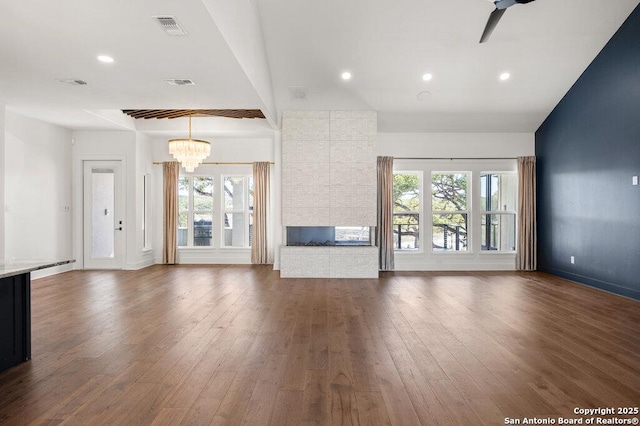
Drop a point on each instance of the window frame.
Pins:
(248, 209)
(468, 212)
(191, 212)
(421, 233)
(146, 213)
(512, 213)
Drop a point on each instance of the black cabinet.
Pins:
(15, 320)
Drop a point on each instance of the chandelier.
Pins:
(189, 152)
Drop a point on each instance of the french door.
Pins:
(104, 226)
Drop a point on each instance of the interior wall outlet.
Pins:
(634, 180)
(573, 260)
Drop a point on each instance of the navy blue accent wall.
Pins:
(588, 149)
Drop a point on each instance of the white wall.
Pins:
(223, 149)
(142, 257)
(456, 145)
(37, 186)
(452, 147)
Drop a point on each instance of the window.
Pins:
(195, 211)
(146, 211)
(450, 211)
(406, 211)
(498, 216)
(238, 211)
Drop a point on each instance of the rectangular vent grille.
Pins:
(180, 82)
(170, 25)
(74, 82)
(298, 93)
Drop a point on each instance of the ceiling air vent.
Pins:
(74, 82)
(180, 82)
(170, 25)
(298, 93)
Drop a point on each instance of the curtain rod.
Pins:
(157, 163)
(455, 158)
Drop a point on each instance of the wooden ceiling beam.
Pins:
(177, 113)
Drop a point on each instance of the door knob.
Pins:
(119, 228)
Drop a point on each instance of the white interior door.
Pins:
(103, 215)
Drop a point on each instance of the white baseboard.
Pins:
(51, 271)
(141, 264)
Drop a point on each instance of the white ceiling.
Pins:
(245, 54)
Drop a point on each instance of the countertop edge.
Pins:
(12, 268)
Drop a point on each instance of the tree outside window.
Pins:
(450, 211)
(406, 211)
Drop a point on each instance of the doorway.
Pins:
(103, 215)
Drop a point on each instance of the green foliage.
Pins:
(449, 192)
(202, 193)
(406, 193)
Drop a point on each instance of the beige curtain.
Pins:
(171, 171)
(260, 253)
(527, 239)
(384, 230)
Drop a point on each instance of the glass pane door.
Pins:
(103, 224)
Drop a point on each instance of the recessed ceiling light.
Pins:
(346, 75)
(505, 76)
(427, 77)
(423, 96)
(106, 59)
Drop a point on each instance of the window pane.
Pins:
(449, 191)
(406, 231)
(202, 193)
(498, 232)
(406, 192)
(251, 193)
(484, 179)
(450, 232)
(406, 211)
(250, 229)
(234, 193)
(182, 229)
(234, 230)
(183, 194)
(498, 192)
(202, 229)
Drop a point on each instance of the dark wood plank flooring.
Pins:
(226, 345)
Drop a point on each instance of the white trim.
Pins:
(42, 273)
(473, 258)
(78, 202)
(140, 265)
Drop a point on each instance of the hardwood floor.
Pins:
(238, 345)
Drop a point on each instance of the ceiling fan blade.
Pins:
(494, 18)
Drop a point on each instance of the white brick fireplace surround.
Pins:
(329, 179)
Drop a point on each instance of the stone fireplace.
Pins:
(329, 194)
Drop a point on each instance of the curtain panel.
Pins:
(171, 171)
(384, 230)
(260, 253)
(526, 259)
